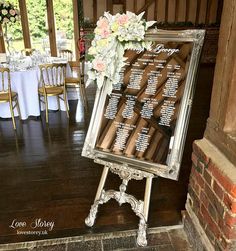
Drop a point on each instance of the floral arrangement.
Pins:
(8, 13)
(113, 35)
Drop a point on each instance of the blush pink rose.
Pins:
(12, 12)
(99, 65)
(5, 20)
(105, 33)
(123, 19)
(103, 23)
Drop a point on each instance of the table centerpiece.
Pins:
(8, 14)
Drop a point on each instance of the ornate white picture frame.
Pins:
(169, 168)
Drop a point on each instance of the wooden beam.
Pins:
(76, 28)
(135, 6)
(146, 5)
(2, 44)
(146, 10)
(124, 5)
(155, 10)
(25, 24)
(176, 10)
(222, 123)
(181, 10)
(110, 6)
(95, 10)
(51, 28)
(172, 11)
(219, 11)
(161, 11)
(117, 1)
(209, 3)
(187, 11)
(166, 11)
(198, 11)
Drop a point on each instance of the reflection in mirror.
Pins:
(79, 114)
(8, 133)
(139, 117)
(143, 123)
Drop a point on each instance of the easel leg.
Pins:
(89, 221)
(142, 239)
(139, 207)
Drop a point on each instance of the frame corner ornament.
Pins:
(88, 150)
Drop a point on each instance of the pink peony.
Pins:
(123, 19)
(102, 23)
(105, 33)
(12, 12)
(5, 20)
(99, 65)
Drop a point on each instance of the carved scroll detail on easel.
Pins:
(126, 174)
(121, 198)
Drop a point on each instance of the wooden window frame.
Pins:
(76, 28)
(25, 24)
(2, 44)
(51, 28)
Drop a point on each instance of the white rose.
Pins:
(5, 20)
(4, 11)
(92, 51)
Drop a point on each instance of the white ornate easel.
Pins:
(139, 207)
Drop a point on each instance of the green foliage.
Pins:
(63, 11)
(14, 29)
(89, 57)
(37, 16)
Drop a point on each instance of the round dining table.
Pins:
(25, 83)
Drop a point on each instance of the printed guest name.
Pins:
(161, 48)
(37, 223)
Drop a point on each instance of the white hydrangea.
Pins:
(113, 35)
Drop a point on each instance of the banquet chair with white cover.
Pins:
(7, 95)
(78, 82)
(66, 54)
(52, 83)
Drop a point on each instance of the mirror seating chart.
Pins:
(138, 129)
(143, 122)
(139, 116)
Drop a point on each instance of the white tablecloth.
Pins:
(25, 83)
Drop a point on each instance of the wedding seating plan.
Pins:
(138, 127)
(143, 122)
(139, 117)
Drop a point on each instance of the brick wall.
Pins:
(212, 194)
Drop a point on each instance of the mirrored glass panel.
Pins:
(139, 117)
(144, 121)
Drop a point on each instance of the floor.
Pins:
(45, 179)
(159, 239)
